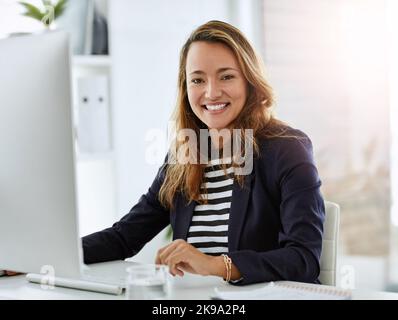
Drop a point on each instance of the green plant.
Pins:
(47, 15)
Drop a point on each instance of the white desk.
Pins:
(187, 288)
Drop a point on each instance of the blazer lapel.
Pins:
(240, 199)
(183, 212)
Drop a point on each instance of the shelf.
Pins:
(92, 61)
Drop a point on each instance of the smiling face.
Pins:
(217, 89)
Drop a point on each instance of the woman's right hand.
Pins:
(10, 273)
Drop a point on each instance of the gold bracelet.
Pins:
(229, 261)
(228, 267)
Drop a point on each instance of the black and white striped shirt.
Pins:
(209, 226)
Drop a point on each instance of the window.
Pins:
(327, 61)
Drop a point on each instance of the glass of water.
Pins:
(147, 282)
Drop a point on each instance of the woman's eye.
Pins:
(227, 77)
(196, 81)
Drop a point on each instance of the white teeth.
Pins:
(215, 107)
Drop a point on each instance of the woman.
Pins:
(264, 224)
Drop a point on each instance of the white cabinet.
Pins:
(95, 163)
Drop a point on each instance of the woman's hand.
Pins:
(181, 256)
(10, 273)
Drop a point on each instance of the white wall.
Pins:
(146, 37)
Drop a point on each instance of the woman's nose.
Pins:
(213, 90)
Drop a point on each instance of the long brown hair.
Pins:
(256, 113)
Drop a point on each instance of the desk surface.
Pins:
(187, 288)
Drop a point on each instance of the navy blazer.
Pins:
(275, 223)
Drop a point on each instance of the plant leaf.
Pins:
(59, 8)
(32, 11)
(46, 3)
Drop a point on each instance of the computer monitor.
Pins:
(38, 207)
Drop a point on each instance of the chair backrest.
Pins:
(329, 244)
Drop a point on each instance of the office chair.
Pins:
(329, 244)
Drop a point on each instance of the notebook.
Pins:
(285, 291)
